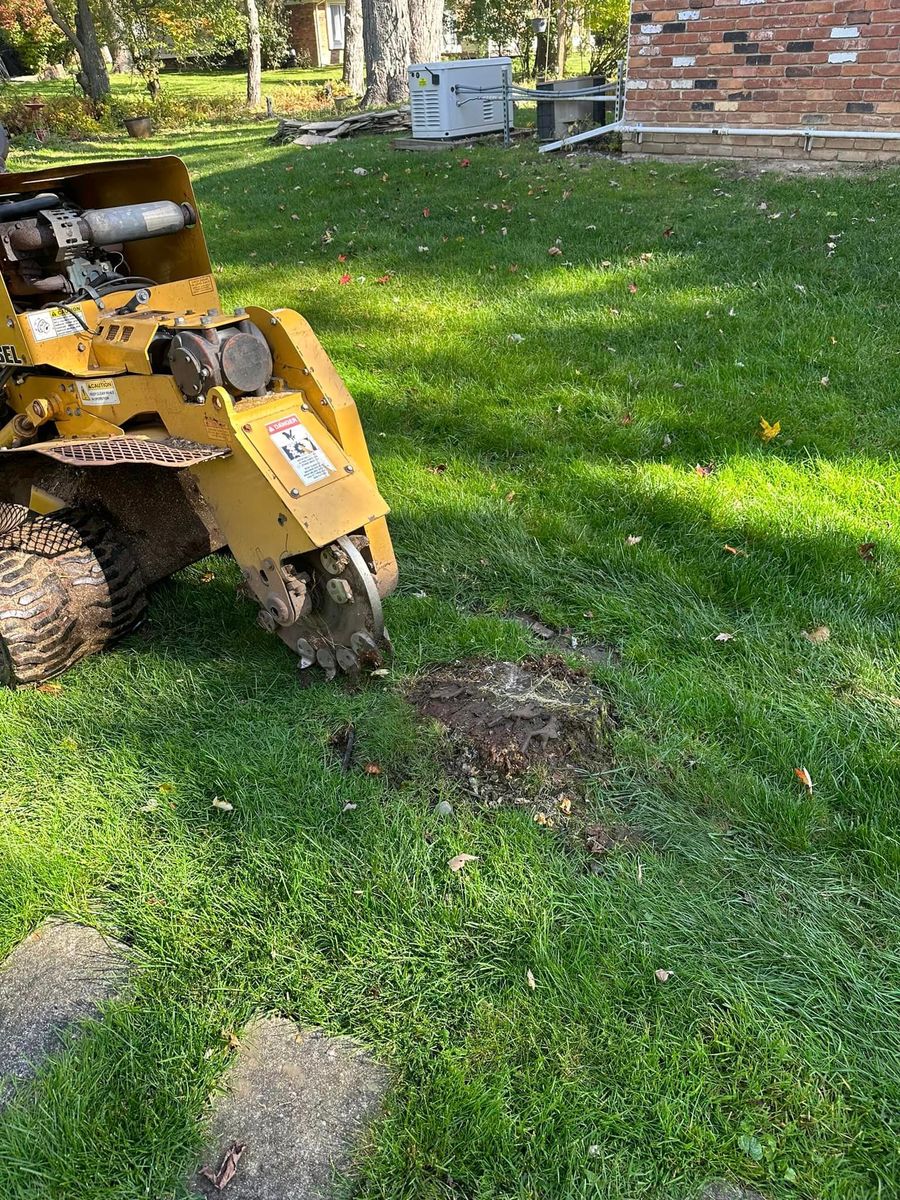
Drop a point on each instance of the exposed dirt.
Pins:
(601, 840)
(525, 733)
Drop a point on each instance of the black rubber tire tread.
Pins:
(68, 588)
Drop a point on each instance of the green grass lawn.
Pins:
(204, 85)
(571, 398)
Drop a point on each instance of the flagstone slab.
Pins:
(299, 1104)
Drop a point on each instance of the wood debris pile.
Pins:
(319, 133)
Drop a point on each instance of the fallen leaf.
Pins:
(151, 806)
(439, 469)
(766, 431)
(705, 470)
(166, 789)
(360, 171)
(662, 975)
(668, 231)
(381, 672)
(805, 778)
(231, 1038)
(565, 805)
(530, 979)
(554, 251)
(348, 807)
(372, 768)
(825, 381)
(817, 636)
(50, 689)
(866, 551)
(512, 268)
(207, 577)
(723, 637)
(222, 805)
(510, 496)
(458, 861)
(384, 278)
(220, 1179)
(633, 539)
(342, 258)
(633, 287)
(426, 212)
(626, 419)
(344, 278)
(464, 162)
(734, 550)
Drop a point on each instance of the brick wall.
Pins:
(303, 30)
(829, 64)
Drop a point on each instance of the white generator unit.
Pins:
(444, 99)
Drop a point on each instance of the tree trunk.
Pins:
(562, 37)
(254, 56)
(92, 78)
(426, 30)
(386, 42)
(354, 63)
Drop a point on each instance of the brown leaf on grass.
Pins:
(705, 469)
(220, 1179)
(668, 231)
(661, 975)
(554, 251)
(632, 288)
(805, 778)
(530, 979)
(766, 431)
(626, 419)
(50, 689)
(439, 469)
(817, 636)
(866, 551)
(458, 861)
(734, 550)
(372, 768)
(207, 577)
(510, 496)
(230, 1038)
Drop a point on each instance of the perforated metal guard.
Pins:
(110, 452)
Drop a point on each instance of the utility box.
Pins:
(555, 118)
(441, 106)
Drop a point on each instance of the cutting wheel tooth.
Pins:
(306, 652)
(327, 662)
(362, 643)
(347, 660)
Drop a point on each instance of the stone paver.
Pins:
(298, 1103)
(57, 977)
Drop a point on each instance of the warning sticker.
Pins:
(200, 284)
(300, 449)
(49, 323)
(98, 392)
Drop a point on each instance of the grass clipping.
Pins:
(526, 733)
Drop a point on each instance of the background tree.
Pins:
(27, 31)
(254, 55)
(426, 30)
(386, 41)
(607, 21)
(354, 57)
(80, 31)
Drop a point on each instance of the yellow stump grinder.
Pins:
(143, 428)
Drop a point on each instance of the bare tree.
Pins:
(562, 37)
(354, 59)
(426, 26)
(92, 77)
(386, 42)
(254, 55)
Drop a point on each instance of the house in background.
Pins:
(827, 68)
(317, 31)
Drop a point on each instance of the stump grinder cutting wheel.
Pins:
(144, 429)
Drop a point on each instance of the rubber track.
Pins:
(68, 588)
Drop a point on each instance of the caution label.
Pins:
(305, 455)
(50, 323)
(97, 393)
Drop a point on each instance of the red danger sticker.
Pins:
(304, 454)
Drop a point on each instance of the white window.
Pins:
(335, 26)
